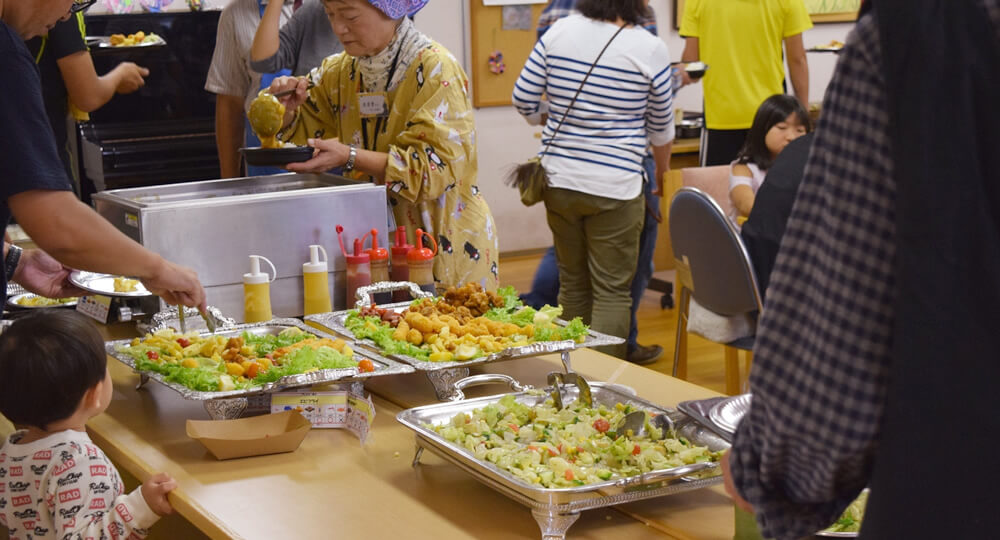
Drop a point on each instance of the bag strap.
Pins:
(580, 89)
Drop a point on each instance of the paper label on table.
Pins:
(360, 415)
(96, 307)
(322, 409)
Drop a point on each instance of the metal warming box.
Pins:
(213, 226)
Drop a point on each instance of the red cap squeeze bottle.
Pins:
(380, 267)
(421, 263)
(400, 271)
(359, 271)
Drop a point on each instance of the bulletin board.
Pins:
(488, 36)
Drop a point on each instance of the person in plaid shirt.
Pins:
(875, 361)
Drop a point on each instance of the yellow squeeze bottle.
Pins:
(257, 291)
(315, 283)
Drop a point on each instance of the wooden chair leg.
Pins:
(747, 365)
(680, 344)
(732, 371)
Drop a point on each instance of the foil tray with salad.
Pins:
(576, 446)
(242, 360)
(463, 324)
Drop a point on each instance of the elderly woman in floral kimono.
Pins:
(394, 107)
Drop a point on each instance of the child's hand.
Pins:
(155, 490)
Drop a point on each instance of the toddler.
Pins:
(54, 481)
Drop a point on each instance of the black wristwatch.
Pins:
(11, 260)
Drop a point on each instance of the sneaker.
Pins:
(643, 354)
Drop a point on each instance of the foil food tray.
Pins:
(555, 509)
(383, 366)
(335, 322)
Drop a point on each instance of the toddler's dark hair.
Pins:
(48, 360)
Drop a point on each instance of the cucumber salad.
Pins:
(564, 448)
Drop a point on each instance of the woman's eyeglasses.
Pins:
(81, 5)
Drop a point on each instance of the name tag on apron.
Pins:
(373, 104)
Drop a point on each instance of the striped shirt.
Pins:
(230, 73)
(625, 104)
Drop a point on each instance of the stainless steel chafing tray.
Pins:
(557, 509)
(444, 374)
(213, 226)
(224, 405)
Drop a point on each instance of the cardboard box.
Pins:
(254, 436)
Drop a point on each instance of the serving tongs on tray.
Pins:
(558, 379)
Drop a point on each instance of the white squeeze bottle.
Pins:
(257, 291)
(315, 285)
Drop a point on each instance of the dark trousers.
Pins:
(545, 287)
(720, 146)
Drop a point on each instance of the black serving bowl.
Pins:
(696, 70)
(277, 157)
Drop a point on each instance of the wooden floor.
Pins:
(656, 326)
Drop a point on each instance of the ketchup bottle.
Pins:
(359, 268)
(420, 261)
(400, 271)
(380, 267)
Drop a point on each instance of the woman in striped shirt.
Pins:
(594, 199)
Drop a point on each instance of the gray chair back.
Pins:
(710, 255)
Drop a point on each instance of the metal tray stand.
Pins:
(231, 404)
(557, 509)
(444, 375)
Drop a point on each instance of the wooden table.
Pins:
(332, 486)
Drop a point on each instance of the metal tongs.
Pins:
(557, 379)
(209, 323)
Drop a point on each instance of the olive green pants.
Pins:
(597, 245)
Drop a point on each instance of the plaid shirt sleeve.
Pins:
(822, 357)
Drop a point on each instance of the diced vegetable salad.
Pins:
(565, 448)
(216, 363)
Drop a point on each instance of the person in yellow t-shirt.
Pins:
(742, 44)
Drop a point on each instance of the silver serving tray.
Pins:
(557, 508)
(383, 366)
(335, 321)
(727, 413)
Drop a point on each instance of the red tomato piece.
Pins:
(602, 425)
(183, 342)
(152, 355)
(366, 366)
(636, 450)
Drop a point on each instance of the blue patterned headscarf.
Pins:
(396, 9)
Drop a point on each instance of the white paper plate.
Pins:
(13, 302)
(104, 284)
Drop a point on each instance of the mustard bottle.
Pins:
(257, 291)
(380, 267)
(420, 261)
(316, 283)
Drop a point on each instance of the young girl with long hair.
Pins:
(779, 120)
